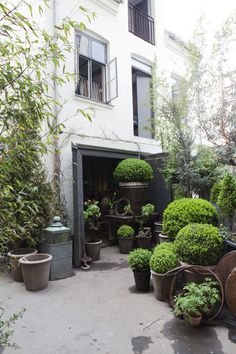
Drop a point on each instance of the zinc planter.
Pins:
(14, 257)
(142, 280)
(35, 270)
(162, 285)
(126, 244)
(93, 249)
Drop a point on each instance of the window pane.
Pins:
(98, 52)
(83, 77)
(84, 46)
(97, 89)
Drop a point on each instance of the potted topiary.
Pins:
(125, 235)
(144, 237)
(139, 262)
(199, 244)
(185, 211)
(133, 175)
(197, 301)
(163, 261)
(92, 215)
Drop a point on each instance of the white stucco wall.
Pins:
(112, 124)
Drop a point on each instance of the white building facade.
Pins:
(113, 60)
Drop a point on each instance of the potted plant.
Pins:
(125, 235)
(185, 211)
(109, 202)
(144, 237)
(133, 175)
(92, 215)
(163, 261)
(139, 262)
(199, 244)
(197, 301)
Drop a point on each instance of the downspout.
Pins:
(56, 157)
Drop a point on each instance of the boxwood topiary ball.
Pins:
(199, 244)
(185, 211)
(163, 260)
(139, 259)
(133, 170)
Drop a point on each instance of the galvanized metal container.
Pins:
(56, 232)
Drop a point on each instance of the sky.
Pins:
(180, 16)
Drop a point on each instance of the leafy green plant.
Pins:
(163, 260)
(197, 300)
(199, 244)
(5, 328)
(168, 246)
(215, 191)
(92, 214)
(133, 170)
(227, 197)
(110, 201)
(185, 211)
(125, 231)
(128, 209)
(147, 211)
(139, 259)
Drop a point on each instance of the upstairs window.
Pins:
(95, 78)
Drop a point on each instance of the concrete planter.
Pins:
(14, 257)
(162, 285)
(35, 270)
(142, 280)
(126, 244)
(93, 249)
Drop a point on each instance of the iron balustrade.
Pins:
(141, 24)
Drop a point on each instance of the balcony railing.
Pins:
(141, 24)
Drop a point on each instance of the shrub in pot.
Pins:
(199, 244)
(168, 246)
(144, 237)
(198, 300)
(125, 235)
(162, 261)
(92, 215)
(184, 211)
(139, 262)
(133, 175)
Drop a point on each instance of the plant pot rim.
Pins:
(126, 238)
(163, 235)
(143, 237)
(18, 252)
(141, 271)
(230, 242)
(48, 258)
(134, 184)
(96, 242)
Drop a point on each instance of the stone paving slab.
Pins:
(98, 311)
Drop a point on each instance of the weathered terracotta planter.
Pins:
(126, 244)
(93, 249)
(35, 270)
(142, 280)
(194, 321)
(14, 257)
(162, 285)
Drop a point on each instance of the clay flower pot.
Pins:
(14, 257)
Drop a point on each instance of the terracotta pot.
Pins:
(142, 280)
(14, 256)
(126, 244)
(35, 270)
(93, 249)
(194, 321)
(162, 285)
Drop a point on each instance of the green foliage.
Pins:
(198, 299)
(5, 328)
(163, 260)
(199, 244)
(92, 214)
(227, 196)
(215, 191)
(139, 259)
(27, 52)
(133, 170)
(128, 209)
(168, 246)
(125, 231)
(110, 201)
(185, 211)
(147, 210)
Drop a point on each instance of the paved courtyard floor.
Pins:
(98, 311)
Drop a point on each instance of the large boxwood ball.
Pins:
(199, 244)
(133, 170)
(184, 211)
